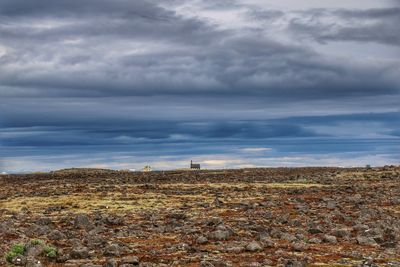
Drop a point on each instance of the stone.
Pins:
(80, 253)
(341, 232)
(130, 260)
(293, 263)
(44, 221)
(82, 221)
(254, 246)
(267, 241)
(113, 220)
(314, 240)
(360, 227)
(329, 239)
(113, 250)
(110, 263)
(19, 260)
(288, 237)
(56, 235)
(315, 230)
(214, 221)
(300, 246)
(33, 251)
(95, 241)
(220, 235)
(366, 241)
(235, 249)
(62, 256)
(201, 240)
(34, 263)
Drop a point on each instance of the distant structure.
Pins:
(194, 166)
(147, 168)
(368, 167)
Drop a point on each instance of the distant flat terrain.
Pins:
(246, 217)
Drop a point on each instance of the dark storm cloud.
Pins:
(147, 131)
(102, 48)
(122, 131)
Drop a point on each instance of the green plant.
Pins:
(50, 251)
(10, 256)
(35, 242)
(17, 249)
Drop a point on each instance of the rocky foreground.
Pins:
(250, 217)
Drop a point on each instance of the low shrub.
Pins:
(16, 250)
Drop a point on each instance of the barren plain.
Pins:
(246, 217)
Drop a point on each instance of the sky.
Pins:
(229, 84)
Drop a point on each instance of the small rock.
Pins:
(90, 265)
(366, 241)
(44, 221)
(341, 232)
(267, 241)
(293, 263)
(19, 260)
(34, 263)
(80, 253)
(254, 246)
(56, 235)
(32, 251)
(82, 221)
(201, 240)
(300, 246)
(314, 241)
(235, 250)
(220, 235)
(113, 220)
(315, 230)
(110, 263)
(130, 260)
(113, 250)
(329, 239)
(288, 237)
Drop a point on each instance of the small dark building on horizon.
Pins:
(194, 166)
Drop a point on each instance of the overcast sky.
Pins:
(122, 84)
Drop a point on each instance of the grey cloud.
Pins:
(130, 49)
(262, 67)
(372, 25)
(123, 76)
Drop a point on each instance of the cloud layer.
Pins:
(97, 76)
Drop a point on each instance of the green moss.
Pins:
(50, 251)
(17, 249)
(35, 242)
(10, 256)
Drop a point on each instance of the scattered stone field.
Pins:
(246, 217)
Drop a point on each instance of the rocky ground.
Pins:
(249, 217)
